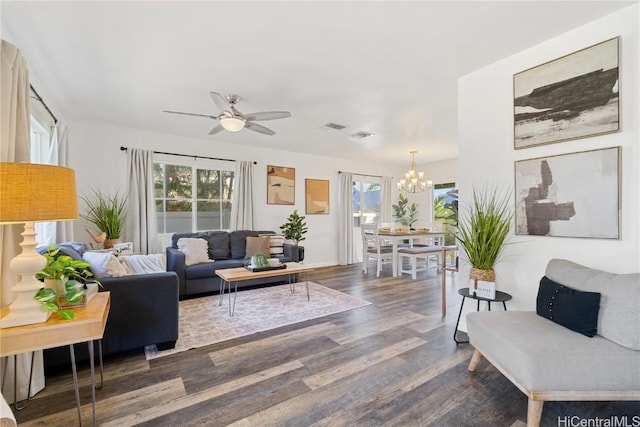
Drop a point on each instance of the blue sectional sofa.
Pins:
(228, 250)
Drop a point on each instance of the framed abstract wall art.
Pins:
(281, 185)
(569, 195)
(317, 196)
(572, 97)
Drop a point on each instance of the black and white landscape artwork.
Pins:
(570, 195)
(571, 97)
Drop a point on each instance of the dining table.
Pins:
(399, 237)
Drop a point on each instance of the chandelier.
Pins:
(413, 182)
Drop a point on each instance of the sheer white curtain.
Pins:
(385, 199)
(242, 206)
(61, 231)
(14, 147)
(142, 224)
(346, 252)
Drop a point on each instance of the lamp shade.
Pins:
(35, 192)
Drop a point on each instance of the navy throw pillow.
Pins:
(573, 309)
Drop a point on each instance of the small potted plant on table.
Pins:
(63, 276)
(107, 212)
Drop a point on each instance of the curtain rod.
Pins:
(195, 157)
(38, 98)
(364, 174)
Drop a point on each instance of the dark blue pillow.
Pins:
(573, 309)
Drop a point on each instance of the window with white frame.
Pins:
(192, 197)
(366, 199)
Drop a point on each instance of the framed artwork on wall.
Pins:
(281, 185)
(317, 196)
(569, 195)
(572, 97)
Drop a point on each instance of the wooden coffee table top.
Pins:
(241, 273)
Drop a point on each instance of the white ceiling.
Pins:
(388, 68)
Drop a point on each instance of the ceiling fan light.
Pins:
(232, 124)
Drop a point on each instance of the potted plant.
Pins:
(107, 212)
(482, 232)
(62, 275)
(294, 229)
(405, 214)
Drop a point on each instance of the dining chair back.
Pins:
(373, 246)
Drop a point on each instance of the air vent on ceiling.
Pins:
(333, 126)
(361, 135)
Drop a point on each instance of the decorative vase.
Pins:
(56, 284)
(488, 289)
(108, 243)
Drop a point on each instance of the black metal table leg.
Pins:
(455, 331)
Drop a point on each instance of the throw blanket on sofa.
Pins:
(142, 264)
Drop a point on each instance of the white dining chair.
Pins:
(373, 247)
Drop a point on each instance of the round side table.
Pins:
(502, 297)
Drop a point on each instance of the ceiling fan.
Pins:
(233, 120)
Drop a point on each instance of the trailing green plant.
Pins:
(106, 211)
(50, 301)
(405, 214)
(63, 267)
(59, 267)
(295, 228)
(482, 232)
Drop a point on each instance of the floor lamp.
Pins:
(30, 193)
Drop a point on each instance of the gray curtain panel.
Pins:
(242, 206)
(346, 251)
(385, 199)
(142, 228)
(14, 147)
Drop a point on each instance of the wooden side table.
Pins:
(87, 325)
(444, 268)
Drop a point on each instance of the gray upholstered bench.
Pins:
(547, 361)
(418, 253)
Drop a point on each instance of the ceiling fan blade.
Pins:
(191, 114)
(216, 129)
(268, 115)
(219, 100)
(258, 128)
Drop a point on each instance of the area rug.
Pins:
(204, 322)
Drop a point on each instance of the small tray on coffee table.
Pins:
(256, 269)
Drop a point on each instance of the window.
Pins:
(39, 153)
(38, 142)
(192, 198)
(366, 200)
(445, 209)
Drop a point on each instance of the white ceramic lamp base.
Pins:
(25, 310)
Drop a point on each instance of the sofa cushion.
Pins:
(544, 356)
(195, 250)
(257, 245)
(573, 309)
(218, 245)
(619, 314)
(206, 270)
(104, 264)
(238, 242)
(198, 235)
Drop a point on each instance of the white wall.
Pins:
(99, 163)
(487, 154)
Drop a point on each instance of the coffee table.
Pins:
(235, 275)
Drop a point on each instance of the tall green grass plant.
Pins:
(106, 211)
(483, 231)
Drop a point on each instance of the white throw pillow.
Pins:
(104, 264)
(195, 250)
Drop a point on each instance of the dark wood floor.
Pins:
(391, 363)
